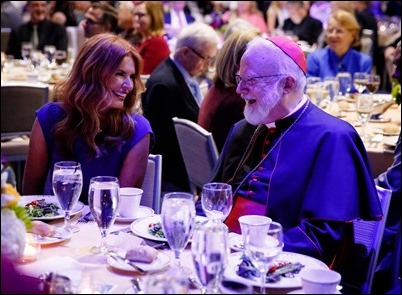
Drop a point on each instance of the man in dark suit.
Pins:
(48, 33)
(172, 91)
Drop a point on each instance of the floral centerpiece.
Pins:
(396, 91)
(14, 220)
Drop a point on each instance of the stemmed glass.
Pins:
(50, 51)
(360, 81)
(263, 245)
(373, 83)
(345, 83)
(314, 87)
(178, 220)
(217, 200)
(26, 51)
(104, 197)
(364, 108)
(210, 252)
(67, 186)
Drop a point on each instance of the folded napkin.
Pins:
(64, 265)
(125, 241)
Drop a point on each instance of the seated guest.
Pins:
(293, 162)
(147, 34)
(222, 106)
(341, 35)
(99, 18)
(173, 91)
(93, 123)
(38, 30)
(301, 24)
(388, 272)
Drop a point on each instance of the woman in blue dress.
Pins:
(94, 121)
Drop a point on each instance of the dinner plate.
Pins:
(143, 212)
(385, 133)
(294, 282)
(162, 260)
(140, 226)
(298, 291)
(50, 199)
(390, 141)
(59, 236)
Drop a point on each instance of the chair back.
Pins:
(198, 150)
(152, 184)
(369, 234)
(359, 264)
(5, 35)
(18, 106)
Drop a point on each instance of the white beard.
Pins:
(259, 112)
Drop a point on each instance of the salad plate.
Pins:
(284, 282)
(49, 200)
(140, 227)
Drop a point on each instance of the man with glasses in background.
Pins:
(173, 91)
(99, 18)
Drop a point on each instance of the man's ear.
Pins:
(289, 84)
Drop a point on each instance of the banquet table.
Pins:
(72, 258)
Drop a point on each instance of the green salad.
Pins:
(40, 208)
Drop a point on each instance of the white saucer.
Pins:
(301, 291)
(236, 242)
(143, 212)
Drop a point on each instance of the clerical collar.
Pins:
(296, 108)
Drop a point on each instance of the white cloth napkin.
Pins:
(125, 241)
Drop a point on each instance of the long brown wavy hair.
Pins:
(84, 96)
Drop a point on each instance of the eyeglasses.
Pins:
(208, 58)
(90, 22)
(250, 82)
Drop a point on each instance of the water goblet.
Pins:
(345, 83)
(67, 187)
(178, 220)
(217, 200)
(364, 108)
(210, 252)
(265, 249)
(103, 202)
(26, 51)
(314, 87)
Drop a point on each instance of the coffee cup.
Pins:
(130, 199)
(320, 281)
(259, 224)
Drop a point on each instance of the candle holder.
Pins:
(32, 248)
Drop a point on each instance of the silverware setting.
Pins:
(122, 259)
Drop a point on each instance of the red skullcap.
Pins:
(292, 49)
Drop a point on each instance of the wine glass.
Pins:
(50, 51)
(314, 89)
(263, 245)
(210, 252)
(217, 200)
(67, 186)
(360, 81)
(373, 83)
(178, 220)
(26, 51)
(364, 108)
(104, 197)
(60, 57)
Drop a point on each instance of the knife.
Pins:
(121, 259)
